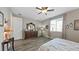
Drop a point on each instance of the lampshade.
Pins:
(8, 29)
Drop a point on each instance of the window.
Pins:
(56, 24)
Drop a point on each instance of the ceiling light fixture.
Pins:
(44, 10)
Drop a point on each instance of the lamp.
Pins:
(7, 31)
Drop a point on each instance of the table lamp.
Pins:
(7, 31)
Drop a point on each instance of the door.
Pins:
(17, 28)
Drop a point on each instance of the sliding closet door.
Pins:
(17, 28)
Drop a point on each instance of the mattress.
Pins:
(59, 44)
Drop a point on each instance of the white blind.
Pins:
(56, 24)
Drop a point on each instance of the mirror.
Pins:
(1, 19)
(30, 26)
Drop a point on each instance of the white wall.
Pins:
(72, 34)
(26, 21)
(1, 36)
(7, 15)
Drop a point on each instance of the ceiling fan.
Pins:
(44, 10)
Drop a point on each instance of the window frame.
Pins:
(56, 24)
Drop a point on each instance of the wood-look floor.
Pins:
(30, 44)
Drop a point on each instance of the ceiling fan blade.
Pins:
(38, 8)
(40, 13)
(51, 10)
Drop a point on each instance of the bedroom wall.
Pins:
(70, 33)
(26, 21)
(7, 15)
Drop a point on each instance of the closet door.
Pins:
(17, 28)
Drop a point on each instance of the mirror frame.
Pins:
(2, 19)
(27, 25)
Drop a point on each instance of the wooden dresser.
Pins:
(31, 34)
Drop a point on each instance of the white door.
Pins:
(17, 28)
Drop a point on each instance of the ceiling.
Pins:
(32, 12)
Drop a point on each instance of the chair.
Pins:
(11, 41)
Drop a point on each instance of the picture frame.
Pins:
(1, 19)
(71, 25)
(67, 26)
(76, 24)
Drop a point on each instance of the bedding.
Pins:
(59, 44)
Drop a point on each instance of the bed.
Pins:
(59, 44)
